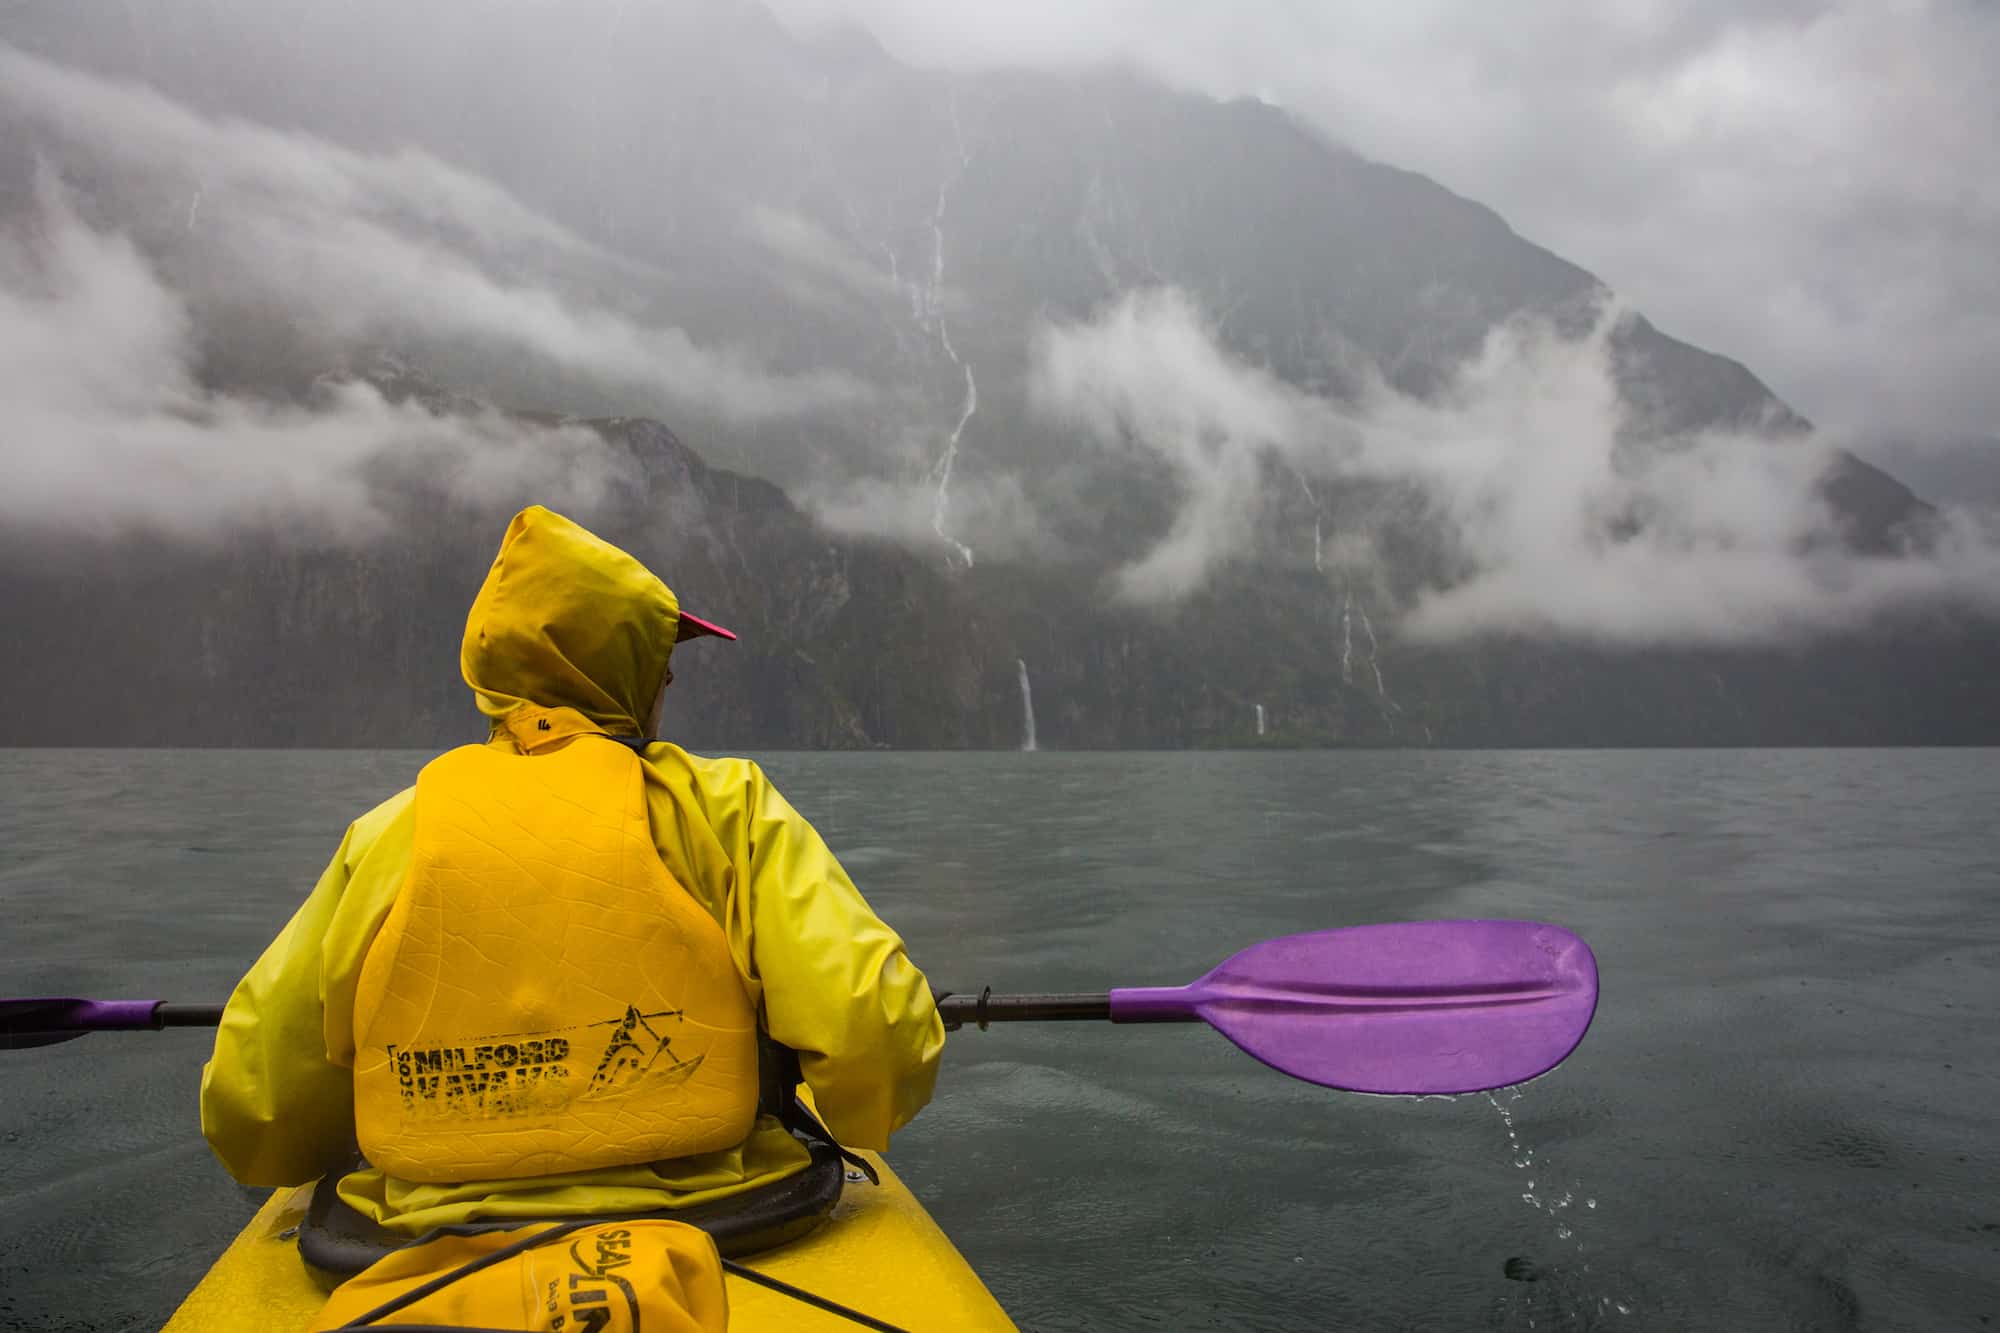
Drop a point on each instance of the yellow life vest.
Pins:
(543, 996)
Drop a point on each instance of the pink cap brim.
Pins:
(693, 627)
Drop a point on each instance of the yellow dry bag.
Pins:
(614, 1277)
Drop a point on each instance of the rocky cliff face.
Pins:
(858, 644)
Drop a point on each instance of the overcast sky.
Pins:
(1809, 186)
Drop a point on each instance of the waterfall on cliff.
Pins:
(1260, 719)
(1027, 709)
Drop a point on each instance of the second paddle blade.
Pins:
(46, 1020)
(1428, 1007)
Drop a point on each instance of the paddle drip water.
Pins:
(1558, 1299)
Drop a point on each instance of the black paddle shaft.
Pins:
(188, 1015)
(956, 1010)
(986, 1007)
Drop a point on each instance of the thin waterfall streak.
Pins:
(971, 404)
(933, 301)
(1319, 542)
(1260, 719)
(933, 320)
(1347, 638)
(1375, 661)
(941, 501)
(1028, 743)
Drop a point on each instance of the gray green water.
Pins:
(1785, 1116)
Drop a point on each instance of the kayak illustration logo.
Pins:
(635, 1050)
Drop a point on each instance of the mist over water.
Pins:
(1782, 1115)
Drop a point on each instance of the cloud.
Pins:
(805, 245)
(991, 514)
(1554, 516)
(398, 247)
(107, 429)
(1148, 373)
(1809, 186)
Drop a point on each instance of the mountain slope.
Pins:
(700, 138)
(820, 209)
(858, 644)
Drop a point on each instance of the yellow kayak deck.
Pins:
(879, 1254)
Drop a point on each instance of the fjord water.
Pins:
(1783, 1118)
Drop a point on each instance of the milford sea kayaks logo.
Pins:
(592, 1297)
(537, 1072)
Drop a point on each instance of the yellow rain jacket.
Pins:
(568, 640)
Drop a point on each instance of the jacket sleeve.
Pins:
(277, 1096)
(273, 1108)
(838, 987)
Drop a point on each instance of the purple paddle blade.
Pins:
(1410, 1008)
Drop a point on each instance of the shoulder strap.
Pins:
(778, 1078)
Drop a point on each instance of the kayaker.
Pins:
(533, 984)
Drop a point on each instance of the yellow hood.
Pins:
(567, 620)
